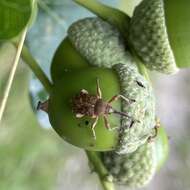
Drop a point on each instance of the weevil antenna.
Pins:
(121, 113)
(124, 114)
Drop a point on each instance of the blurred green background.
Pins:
(32, 156)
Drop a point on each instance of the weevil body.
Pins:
(85, 104)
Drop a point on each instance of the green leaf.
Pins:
(14, 16)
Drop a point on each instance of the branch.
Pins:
(100, 169)
(34, 66)
(12, 73)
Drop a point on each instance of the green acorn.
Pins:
(158, 32)
(136, 169)
(94, 49)
(151, 38)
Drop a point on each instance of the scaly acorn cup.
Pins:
(159, 33)
(136, 169)
(133, 170)
(95, 49)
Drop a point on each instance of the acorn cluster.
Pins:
(112, 49)
(97, 50)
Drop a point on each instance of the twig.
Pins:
(100, 169)
(34, 66)
(12, 74)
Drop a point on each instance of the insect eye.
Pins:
(86, 122)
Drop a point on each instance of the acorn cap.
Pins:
(159, 33)
(100, 43)
(134, 132)
(138, 168)
(102, 46)
(133, 170)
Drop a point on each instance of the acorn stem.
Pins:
(34, 66)
(100, 169)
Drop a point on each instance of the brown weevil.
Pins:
(85, 104)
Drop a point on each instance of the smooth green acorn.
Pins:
(77, 131)
(159, 33)
(94, 49)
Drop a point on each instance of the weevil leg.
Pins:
(93, 126)
(43, 106)
(107, 125)
(99, 92)
(116, 97)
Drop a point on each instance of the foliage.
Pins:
(14, 15)
(30, 157)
